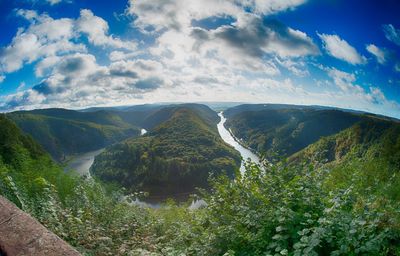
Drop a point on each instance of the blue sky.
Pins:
(74, 54)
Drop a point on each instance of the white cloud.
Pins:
(397, 67)
(340, 49)
(243, 58)
(46, 65)
(297, 67)
(178, 14)
(378, 53)
(392, 34)
(96, 29)
(77, 80)
(343, 80)
(270, 6)
(121, 55)
(53, 2)
(46, 38)
(21, 86)
(246, 44)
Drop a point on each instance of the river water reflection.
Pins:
(228, 138)
(82, 163)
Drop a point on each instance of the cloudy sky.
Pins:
(74, 54)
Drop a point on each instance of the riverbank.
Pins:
(230, 139)
(82, 164)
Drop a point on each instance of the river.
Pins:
(81, 164)
(228, 138)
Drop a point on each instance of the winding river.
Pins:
(81, 164)
(228, 138)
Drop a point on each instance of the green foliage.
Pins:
(348, 206)
(287, 211)
(285, 131)
(66, 132)
(173, 159)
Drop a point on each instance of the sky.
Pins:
(77, 54)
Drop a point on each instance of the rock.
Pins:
(21, 234)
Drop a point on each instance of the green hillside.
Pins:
(67, 132)
(149, 116)
(81, 212)
(174, 158)
(284, 131)
(338, 196)
(369, 139)
(22, 161)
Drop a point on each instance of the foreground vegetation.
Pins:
(349, 208)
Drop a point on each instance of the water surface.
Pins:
(82, 163)
(228, 138)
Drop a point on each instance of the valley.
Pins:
(229, 139)
(313, 164)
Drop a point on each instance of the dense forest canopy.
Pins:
(65, 133)
(174, 158)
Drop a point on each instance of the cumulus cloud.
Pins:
(77, 80)
(378, 53)
(297, 67)
(247, 43)
(341, 49)
(96, 30)
(391, 33)
(45, 38)
(177, 14)
(248, 34)
(149, 83)
(344, 80)
(245, 54)
(258, 37)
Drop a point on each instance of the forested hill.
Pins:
(22, 160)
(174, 158)
(372, 139)
(284, 130)
(149, 116)
(64, 132)
(350, 206)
